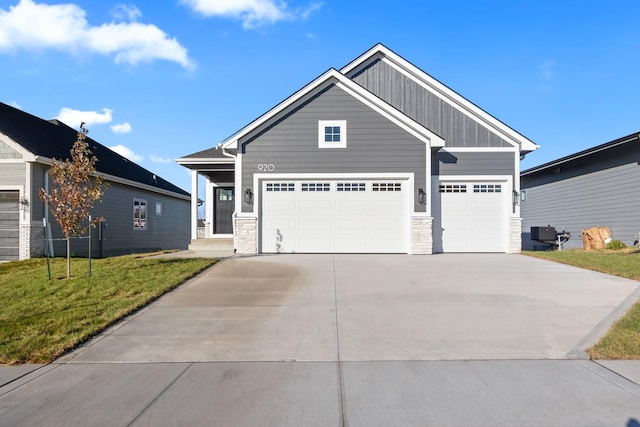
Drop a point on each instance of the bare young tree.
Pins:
(75, 188)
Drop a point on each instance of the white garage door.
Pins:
(9, 225)
(333, 216)
(470, 217)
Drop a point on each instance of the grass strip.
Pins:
(41, 319)
(622, 341)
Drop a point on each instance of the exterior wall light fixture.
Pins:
(248, 196)
(24, 204)
(422, 196)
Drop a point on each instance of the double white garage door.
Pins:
(358, 216)
(372, 216)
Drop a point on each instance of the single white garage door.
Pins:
(334, 216)
(470, 216)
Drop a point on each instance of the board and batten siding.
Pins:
(605, 198)
(374, 143)
(437, 115)
(170, 230)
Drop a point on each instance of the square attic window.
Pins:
(332, 134)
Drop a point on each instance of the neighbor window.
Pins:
(139, 214)
(332, 133)
(158, 208)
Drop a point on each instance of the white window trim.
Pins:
(342, 124)
(141, 202)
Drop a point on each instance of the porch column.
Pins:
(194, 204)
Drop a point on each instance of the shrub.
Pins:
(616, 244)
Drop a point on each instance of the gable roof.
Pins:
(48, 139)
(634, 137)
(380, 52)
(332, 76)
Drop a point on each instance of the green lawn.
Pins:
(623, 339)
(42, 319)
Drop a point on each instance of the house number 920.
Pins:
(266, 167)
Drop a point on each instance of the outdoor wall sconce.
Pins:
(422, 196)
(24, 204)
(516, 198)
(248, 196)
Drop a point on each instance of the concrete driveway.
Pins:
(357, 340)
(370, 307)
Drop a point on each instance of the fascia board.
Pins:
(390, 112)
(360, 93)
(203, 160)
(232, 141)
(434, 86)
(112, 178)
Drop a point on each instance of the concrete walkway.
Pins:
(356, 340)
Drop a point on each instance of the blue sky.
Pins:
(162, 79)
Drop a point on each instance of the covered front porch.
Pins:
(212, 187)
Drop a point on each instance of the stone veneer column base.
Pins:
(515, 236)
(421, 235)
(31, 241)
(246, 235)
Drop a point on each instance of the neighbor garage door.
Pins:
(9, 225)
(348, 216)
(470, 217)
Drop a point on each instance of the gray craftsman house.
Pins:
(595, 187)
(141, 211)
(377, 157)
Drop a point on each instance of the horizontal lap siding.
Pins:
(374, 144)
(13, 173)
(607, 198)
(473, 163)
(171, 230)
(457, 129)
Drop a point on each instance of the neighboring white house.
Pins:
(141, 211)
(376, 157)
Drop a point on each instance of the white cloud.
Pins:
(126, 12)
(64, 27)
(165, 160)
(253, 13)
(14, 104)
(73, 118)
(127, 152)
(121, 128)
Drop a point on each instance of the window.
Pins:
(316, 186)
(387, 186)
(225, 195)
(487, 188)
(280, 186)
(332, 133)
(351, 186)
(158, 209)
(452, 188)
(139, 214)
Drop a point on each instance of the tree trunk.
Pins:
(68, 257)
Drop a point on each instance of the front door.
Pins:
(224, 206)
